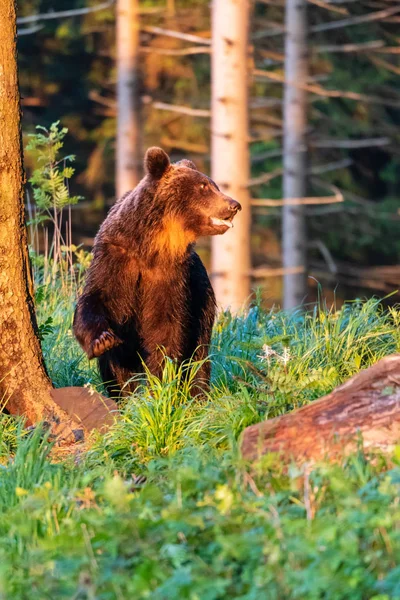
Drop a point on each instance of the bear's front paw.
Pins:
(105, 341)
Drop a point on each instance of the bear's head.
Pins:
(188, 196)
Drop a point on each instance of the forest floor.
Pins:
(162, 506)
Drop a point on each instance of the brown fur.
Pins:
(173, 239)
(147, 291)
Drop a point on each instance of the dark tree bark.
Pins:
(367, 404)
(295, 154)
(25, 388)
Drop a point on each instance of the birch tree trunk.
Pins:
(128, 144)
(229, 147)
(294, 153)
(24, 385)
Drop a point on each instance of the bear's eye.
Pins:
(203, 186)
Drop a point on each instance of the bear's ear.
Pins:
(187, 163)
(156, 162)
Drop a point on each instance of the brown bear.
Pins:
(147, 293)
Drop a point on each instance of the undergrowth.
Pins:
(162, 506)
(264, 364)
(204, 525)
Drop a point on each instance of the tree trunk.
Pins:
(229, 141)
(25, 388)
(294, 153)
(128, 149)
(367, 404)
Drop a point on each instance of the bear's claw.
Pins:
(103, 343)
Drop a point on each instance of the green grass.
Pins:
(205, 526)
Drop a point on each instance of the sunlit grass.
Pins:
(263, 365)
(204, 525)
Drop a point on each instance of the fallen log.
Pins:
(367, 404)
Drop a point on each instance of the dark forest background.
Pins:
(68, 73)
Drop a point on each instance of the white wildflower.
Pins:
(267, 352)
(285, 356)
(90, 388)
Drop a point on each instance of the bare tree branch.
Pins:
(272, 54)
(175, 51)
(196, 39)
(184, 110)
(315, 170)
(379, 62)
(364, 202)
(262, 272)
(341, 1)
(350, 144)
(351, 21)
(29, 30)
(259, 35)
(316, 89)
(328, 6)
(337, 197)
(332, 166)
(264, 103)
(326, 143)
(64, 13)
(76, 12)
(367, 47)
(184, 145)
(264, 178)
(280, 3)
(255, 158)
(297, 201)
(96, 97)
(389, 50)
(265, 135)
(266, 119)
(357, 20)
(326, 254)
(33, 101)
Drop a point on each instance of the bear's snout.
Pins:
(234, 206)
